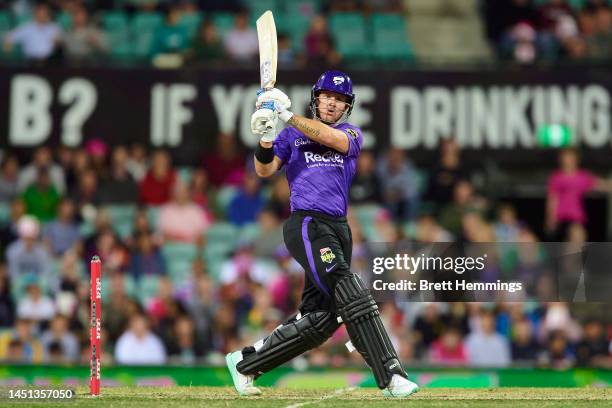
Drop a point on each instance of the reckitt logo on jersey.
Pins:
(327, 157)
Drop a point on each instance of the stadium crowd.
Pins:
(194, 264)
(311, 32)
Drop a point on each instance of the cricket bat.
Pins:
(268, 50)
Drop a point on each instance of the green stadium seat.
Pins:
(129, 286)
(153, 215)
(223, 22)
(143, 28)
(5, 213)
(221, 232)
(116, 27)
(148, 287)
(191, 22)
(64, 20)
(87, 228)
(225, 196)
(250, 232)
(390, 41)
(349, 32)
(306, 8)
(296, 26)
(122, 213)
(184, 174)
(258, 7)
(179, 270)
(180, 251)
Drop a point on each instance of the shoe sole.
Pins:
(231, 366)
(386, 393)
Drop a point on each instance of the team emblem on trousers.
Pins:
(327, 255)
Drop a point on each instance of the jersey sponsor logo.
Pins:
(327, 255)
(329, 157)
(352, 133)
(338, 80)
(301, 142)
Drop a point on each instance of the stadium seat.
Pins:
(153, 215)
(191, 22)
(223, 22)
(225, 196)
(181, 251)
(258, 7)
(5, 213)
(305, 8)
(390, 39)
(116, 27)
(349, 32)
(250, 232)
(184, 174)
(179, 270)
(143, 28)
(221, 232)
(64, 20)
(148, 287)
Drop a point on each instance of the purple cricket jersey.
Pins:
(319, 176)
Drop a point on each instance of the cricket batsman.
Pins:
(319, 156)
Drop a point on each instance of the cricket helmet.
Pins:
(333, 81)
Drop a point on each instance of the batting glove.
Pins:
(263, 123)
(277, 100)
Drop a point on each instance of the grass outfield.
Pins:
(211, 397)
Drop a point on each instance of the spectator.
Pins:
(318, 44)
(446, 174)
(270, 233)
(9, 232)
(485, 347)
(465, 200)
(201, 307)
(97, 150)
(593, 349)
(201, 194)
(448, 349)
(184, 346)
(21, 340)
(59, 333)
(507, 227)
(35, 305)
(63, 233)
(80, 163)
(557, 354)
(182, 219)
(138, 345)
(366, 186)
(399, 185)
(207, 47)
(146, 259)
(86, 194)
(8, 178)
(429, 325)
(280, 200)
(245, 206)
(241, 43)
(137, 163)
(84, 41)
(119, 308)
(7, 304)
(226, 165)
(286, 55)
(428, 230)
(567, 187)
(42, 159)
(524, 346)
(42, 198)
(38, 38)
(27, 255)
(599, 43)
(119, 187)
(171, 37)
(501, 15)
(156, 187)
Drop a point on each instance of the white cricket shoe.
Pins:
(242, 383)
(400, 387)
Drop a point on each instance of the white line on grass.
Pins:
(323, 398)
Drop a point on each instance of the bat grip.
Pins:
(267, 105)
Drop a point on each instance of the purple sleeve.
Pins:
(355, 141)
(282, 146)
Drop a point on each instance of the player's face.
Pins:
(331, 106)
